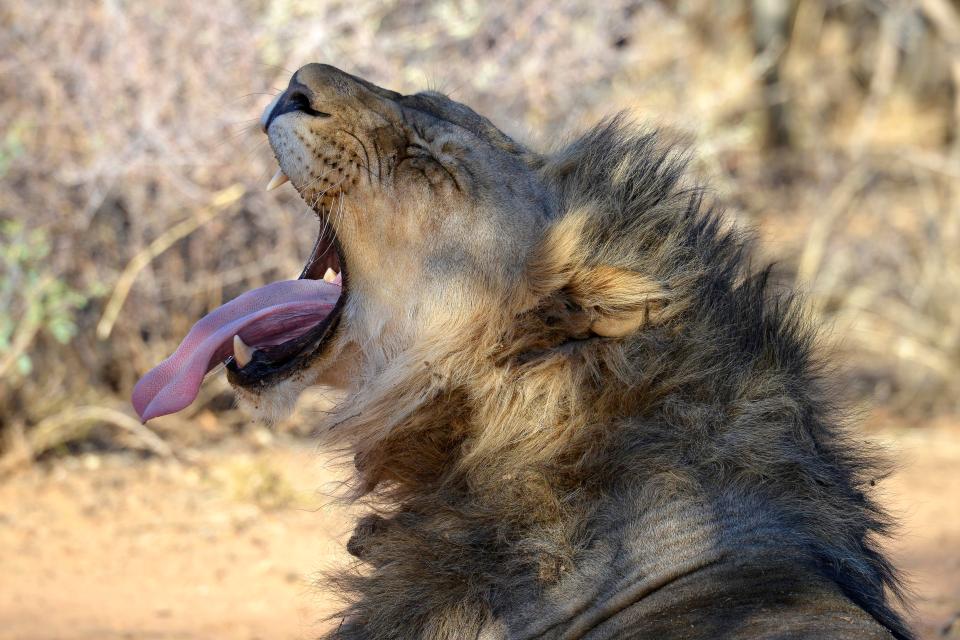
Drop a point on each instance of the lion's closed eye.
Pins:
(441, 171)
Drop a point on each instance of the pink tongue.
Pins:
(270, 315)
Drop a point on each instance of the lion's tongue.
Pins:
(270, 315)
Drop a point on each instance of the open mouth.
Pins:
(264, 335)
(269, 352)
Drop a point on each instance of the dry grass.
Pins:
(125, 123)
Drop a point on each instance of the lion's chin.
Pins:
(274, 404)
(335, 373)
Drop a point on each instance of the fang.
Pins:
(278, 179)
(242, 353)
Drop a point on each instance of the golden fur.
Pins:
(555, 356)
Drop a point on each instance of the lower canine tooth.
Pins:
(241, 352)
(329, 275)
(278, 179)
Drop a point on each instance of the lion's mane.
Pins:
(485, 449)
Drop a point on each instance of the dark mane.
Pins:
(747, 350)
(492, 465)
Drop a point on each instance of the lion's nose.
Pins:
(297, 97)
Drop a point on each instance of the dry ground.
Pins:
(103, 547)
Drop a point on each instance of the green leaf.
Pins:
(24, 365)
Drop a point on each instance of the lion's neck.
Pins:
(502, 493)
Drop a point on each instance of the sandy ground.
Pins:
(230, 546)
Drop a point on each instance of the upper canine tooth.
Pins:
(329, 275)
(241, 352)
(278, 179)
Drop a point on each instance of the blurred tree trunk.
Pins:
(945, 18)
(771, 26)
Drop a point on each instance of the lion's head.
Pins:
(434, 224)
(427, 211)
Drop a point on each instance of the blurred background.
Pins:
(132, 174)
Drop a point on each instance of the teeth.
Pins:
(278, 179)
(242, 353)
(329, 275)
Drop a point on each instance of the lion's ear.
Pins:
(602, 299)
(619, 301)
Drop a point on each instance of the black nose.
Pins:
(295, 98)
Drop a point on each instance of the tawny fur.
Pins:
(506, 433)
(637, 359)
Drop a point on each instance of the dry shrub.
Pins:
(122, 121)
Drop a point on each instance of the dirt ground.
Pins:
(232, 544)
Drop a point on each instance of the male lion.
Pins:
(575, 409)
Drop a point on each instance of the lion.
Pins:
(574, 407)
